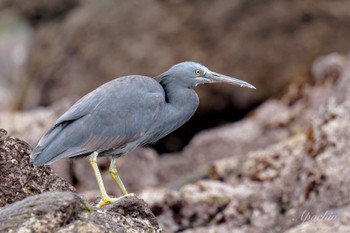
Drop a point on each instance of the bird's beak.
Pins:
(216, 77)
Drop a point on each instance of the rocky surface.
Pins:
(264, 174)
(18, 177)
(283, 168)
(31, 200)
(32, 124)
(67, 212)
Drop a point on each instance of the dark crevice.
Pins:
(178, 139)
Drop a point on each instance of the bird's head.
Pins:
(190, 74)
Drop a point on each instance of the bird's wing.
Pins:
(77, 111)
(105, 119)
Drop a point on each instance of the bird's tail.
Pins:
(39, 155)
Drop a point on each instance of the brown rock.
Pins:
(133, 207)
(18, 177)
(39, 11)
(100, 41)
(41, 213)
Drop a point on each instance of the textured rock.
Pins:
(41, 213)
(265, 172)
(27, 203)
(287, 160)
(18, 177)
(67, 212)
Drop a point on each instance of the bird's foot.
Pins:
(106, 200)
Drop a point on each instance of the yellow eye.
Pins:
(198, 72)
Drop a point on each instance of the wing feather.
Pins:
(104, 120)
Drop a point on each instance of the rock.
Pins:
(134, 208)
(18, 177)
(139, 169)
(274, 121)
(329, 66)
(285, 161)
(67, 212)
(41, 213)
(31, 125)
(30, 200)
(265, 172)
(39, 11)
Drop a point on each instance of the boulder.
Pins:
(65, 212)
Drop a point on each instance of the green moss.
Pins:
(87, 209)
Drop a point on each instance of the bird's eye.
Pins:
(198, 72)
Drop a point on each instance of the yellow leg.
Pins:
(114, 173)
(105, 199)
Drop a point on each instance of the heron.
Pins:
(123, 114)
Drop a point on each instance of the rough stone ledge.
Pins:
(67, 212)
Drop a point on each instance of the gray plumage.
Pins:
(127, 112)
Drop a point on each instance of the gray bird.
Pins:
(123, 114)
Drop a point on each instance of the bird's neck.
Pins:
(181, 102)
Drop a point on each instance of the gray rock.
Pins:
(67, 212)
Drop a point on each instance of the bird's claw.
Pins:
(107, 199)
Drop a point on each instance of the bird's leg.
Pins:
(114, 173)
(105, 199)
